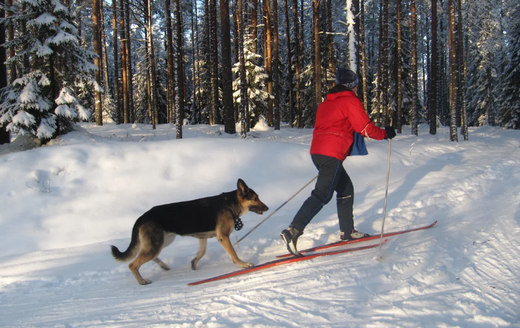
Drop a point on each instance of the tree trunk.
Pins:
(96, 12)
(116, 62)
(464, 124)
(351, 36)
(196, 69)
(214, 62)
(128, 67)
(254, 25)
(434, 71)
(399, 86)
(268, 56)
(105, 59)
(384, 67)
(10, 37)
(152, 69)
(4, 134)
(244, 111)
(364, 59)
(379, 90)
(415, 97)
(290, 113)
(329, 61)
(317, 53)
(426, 69)
(452, 38)
(208, 102)
(443, 97)
(170, 74)
(179, 72)
(227, 76)
(357, 34)
(461, 78)
(276, 68)
(297, 67)
(124, 64)
(148, 76)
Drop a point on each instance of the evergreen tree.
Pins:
(256, 83)
(308, 97)
(45, 99)
(482, 73)
(141, 88)
(509, 113)
(407, 91)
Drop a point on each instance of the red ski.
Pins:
(280, 262)
(342, 243)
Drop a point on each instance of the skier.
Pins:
(337, 118)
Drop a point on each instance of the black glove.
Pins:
(390, 132)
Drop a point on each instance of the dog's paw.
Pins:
(145, 282)
(165, 267)
(247, 265)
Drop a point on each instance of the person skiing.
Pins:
(337, 118)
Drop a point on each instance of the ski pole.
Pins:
(386, 197)
(308, 183)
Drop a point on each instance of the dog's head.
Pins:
(249, 199)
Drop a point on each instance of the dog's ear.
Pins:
(242, 187)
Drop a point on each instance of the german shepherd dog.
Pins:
(202, 218)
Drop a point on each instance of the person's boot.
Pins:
(353, 235)
(290, 237)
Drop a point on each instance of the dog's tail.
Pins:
(132, 249)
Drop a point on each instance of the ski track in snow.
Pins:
(72, 200)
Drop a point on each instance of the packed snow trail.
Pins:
(64, 204)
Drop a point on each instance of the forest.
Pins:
(449, 63)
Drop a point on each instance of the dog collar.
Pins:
(238, 224)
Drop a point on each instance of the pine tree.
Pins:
(4, 134)
(308, 96)
(482, 73)
(227, 76)
(414, 112)
(256, 80)
(408, 110)
(434, 73)
(509, 113)
(45, 99)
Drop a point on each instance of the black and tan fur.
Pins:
(201, 218)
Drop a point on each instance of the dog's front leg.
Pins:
(203, 242)
(226, 243)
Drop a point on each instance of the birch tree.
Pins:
(351, 36)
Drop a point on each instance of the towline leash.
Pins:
(279, 207)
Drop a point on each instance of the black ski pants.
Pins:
(332, 177)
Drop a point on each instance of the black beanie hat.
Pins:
(346, 77)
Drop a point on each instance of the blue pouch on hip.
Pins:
(359, 148)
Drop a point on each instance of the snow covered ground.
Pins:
(62, 205)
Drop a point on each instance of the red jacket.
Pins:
(337, 118)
